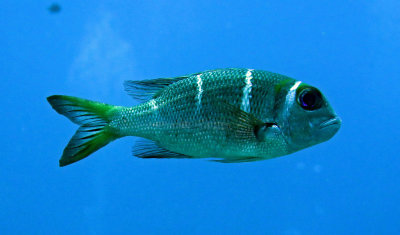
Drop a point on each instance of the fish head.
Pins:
(307, 118)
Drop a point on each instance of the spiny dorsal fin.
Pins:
(145, 90)
(149, 149)
(149, 89)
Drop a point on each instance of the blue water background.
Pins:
(348, 49)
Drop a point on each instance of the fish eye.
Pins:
(310, 98)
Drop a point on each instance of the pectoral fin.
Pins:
(239, 123)
(266, 131)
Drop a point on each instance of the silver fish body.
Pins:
(231, 115)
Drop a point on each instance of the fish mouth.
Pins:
(336, 121)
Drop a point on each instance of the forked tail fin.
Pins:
(94, 131)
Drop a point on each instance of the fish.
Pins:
(230, 115)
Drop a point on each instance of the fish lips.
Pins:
(333, 122)
(328, 128)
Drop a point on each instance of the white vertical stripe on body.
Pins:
(291, 95)
(199, 92)
(154, 104)
(245, 106)
(294, 87)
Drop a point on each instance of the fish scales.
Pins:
(177, 117)
(234, 115)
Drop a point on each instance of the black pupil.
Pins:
(310, 99)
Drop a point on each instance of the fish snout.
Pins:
(328, 128)
(336, 121)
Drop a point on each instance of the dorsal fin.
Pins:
(149, 89)
(145, 90)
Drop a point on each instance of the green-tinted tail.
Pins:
(94, 131)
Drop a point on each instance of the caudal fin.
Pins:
(94, 131)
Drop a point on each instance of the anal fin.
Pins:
(145, 148)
